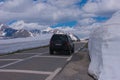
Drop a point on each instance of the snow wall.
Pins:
(13, 45)
(104, 51)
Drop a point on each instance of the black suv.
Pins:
(61, 42)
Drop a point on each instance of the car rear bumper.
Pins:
(60, 48)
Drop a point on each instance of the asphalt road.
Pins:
(35, 64)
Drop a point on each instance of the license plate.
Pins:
(58, 44)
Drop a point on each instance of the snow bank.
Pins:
(12, 45)
(104, 50)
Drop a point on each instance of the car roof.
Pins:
(59, 34)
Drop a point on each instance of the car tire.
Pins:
(72, 50)
(69, 52)
(51, 52)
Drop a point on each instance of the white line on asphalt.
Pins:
(25, 71)
(9, 59)
(54, 74)
(76, 42)
(20, 60)
(52, 56)
(84, 41)
(11, 63)
(36, 53)
(77, 50)
(72, 56)
(69, 58)
(28, 53)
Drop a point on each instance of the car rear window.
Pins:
(59, 37)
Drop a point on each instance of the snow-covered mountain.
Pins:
(21, 34)
(52, 30)
(8, 32)
(21, 29)
(34, 28)
(74, 37)
(58, 31)
(1, 29)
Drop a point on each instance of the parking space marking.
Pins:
(52, 56)
(9, 59)
(54, 74)
(11, 63)
(26, 71)
(77, 50)
(72, 55)
(21, 60)
(34, 53)
(69, 58)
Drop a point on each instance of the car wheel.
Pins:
(51, 52)
(72, 50)
(69, 52)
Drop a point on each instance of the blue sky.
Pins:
(82, 3)
(101, 18)
(1, 0)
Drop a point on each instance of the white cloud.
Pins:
(28, 26)
(16, 5)
(48, 12)
(102, 7)
(86, 21)
(63, 3)
(53, 11)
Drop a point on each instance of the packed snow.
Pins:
(12, 45)
(104, 49)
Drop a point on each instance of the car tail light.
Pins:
(66, 43)
(51, 42)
